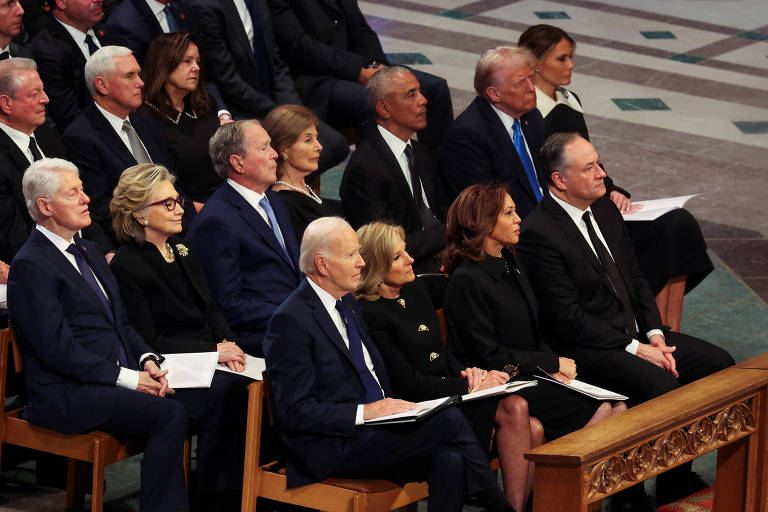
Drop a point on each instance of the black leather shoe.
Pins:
(633, 499)
(675, 485)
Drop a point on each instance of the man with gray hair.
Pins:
(243, 234)
(85, 366)
(497, 138)
(392, 177)
(105, 139)
(328, 378)
(61, 49)
(24, 138)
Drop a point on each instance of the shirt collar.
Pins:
(573, 212)
(114, 121)
(329, 302)
(55, 239)
(156, 7)
(545, 104)
(506, 119)
(395, 143)
(76, 34)
(249, 195)
(6, 49)
(21, 139)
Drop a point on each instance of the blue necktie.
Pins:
(91, 44)
(172, 25)
(87, 274)
(373, 391)
(264, 203)
(522, 152)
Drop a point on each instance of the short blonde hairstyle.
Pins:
(284, 125)
(377, 244)
(493, 59)
(131, 195)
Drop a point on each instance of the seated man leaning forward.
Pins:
(328, 377)
(85, 366)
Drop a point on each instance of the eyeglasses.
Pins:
(511, 370)
(169, 203)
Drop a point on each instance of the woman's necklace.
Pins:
(178, 114)
(308, 192)
(170, 258)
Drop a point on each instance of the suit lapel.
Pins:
(193, 277)
(395, 171)
(331, 4)
(148, 17)
(236, 24)
(20, 161)
(323, 319)
(110, 137)
(58, 31)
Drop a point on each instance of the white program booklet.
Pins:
(422, 410)
(584, 388)
(501, 389)
(655, 208)
(254, 367)
(190, 370)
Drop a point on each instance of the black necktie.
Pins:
(614, 275)
(33, 148)
(91, 44)
(426, 216)
(372, 388)
(5, 55)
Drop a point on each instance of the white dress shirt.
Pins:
(507, 120)
(117, 124)
(21, 139)
(397, 146)
(127, 378)
(330, 305)
(245, 18)
(79, 38)
(576, 216)
(157, 9)
(253, 198)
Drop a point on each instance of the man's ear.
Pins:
(101, 85)
(43, 207)
(61, 4)
(321, 265)
(236, 162)
(492, 94)
(382, 110)
(5, 104)
(558, 180)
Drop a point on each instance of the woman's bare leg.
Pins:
(513, 439)
(602, 412)
(537, 439)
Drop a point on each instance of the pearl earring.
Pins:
(146, 222)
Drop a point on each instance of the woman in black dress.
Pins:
(403, 323)
(670, 250)
(167, 300)
(175, 94)
(293, 130)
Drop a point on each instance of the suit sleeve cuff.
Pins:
(654, 331)
(128, 378)
(632, 347)
(360, 416)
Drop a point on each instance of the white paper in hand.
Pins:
(190, 370)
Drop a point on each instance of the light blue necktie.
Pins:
(264, 203)
(522, 152)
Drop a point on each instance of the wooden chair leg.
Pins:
(187, 459)
(97, 490)
(251, 473)
(71, 482)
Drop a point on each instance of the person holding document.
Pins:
(327, 378)
(670, 250)
(167, 299)
(403, 323)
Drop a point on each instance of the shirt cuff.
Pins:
(632, 347)
(360, 416)
(654, 331)
(224, 111)
(143, 357)
(128, 378)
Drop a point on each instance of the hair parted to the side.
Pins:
(9, 74)
(380, 84)
(553, 156)
(284, 125)
(471, 218)
(378, 241)
(102, 63)
(492, 60)
(41, 179)
(228, 140)
(540, 39)
(318, 238)
(132, 193)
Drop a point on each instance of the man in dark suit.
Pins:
(11, 14)
(24, 138)
(332, 52)
(243, 234)
(497, 138)
(327, 378)
(391, 177)
(242, 60)
(106, 139)
(61, 49)
(85, 366)
(593, 299)
(139, 21)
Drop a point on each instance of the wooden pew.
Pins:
(727, 411)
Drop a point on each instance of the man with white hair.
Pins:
(61, 49)
(24, 138)
(327, 378)
(105, 139)
(497, 138)
(85, 366)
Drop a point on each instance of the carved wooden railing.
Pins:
(727, 411)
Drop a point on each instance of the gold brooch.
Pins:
(433, 356)
(401, 302)
(182, 249)
(423, 327)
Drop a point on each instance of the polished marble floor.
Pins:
(676, 98)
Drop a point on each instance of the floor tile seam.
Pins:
(735, 274)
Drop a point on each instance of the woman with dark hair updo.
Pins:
(403, 323)
(167, 300)
(670, 250)
(491, 311)
(174, 92)
(293, 130)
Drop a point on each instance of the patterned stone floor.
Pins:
(676, 97)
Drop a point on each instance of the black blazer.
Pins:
(323, 41)
(137, 24)
(15, 222)
(479, 149)
(492, 317)
(230, 63)
(170, 322)
(315, 385)
(61, 65)
(70, 344)
(102, 156)
(578, 305)
(374, 188)
(17, 50)
(409, 340)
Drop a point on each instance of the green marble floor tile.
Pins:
(752, 127)
(640, 104)
(552, 15)
(754, 36)
(456, 15)
(684, 57)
